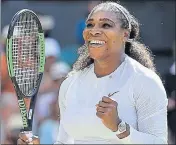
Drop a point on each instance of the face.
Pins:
(103, 35)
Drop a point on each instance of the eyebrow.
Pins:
(101, 19)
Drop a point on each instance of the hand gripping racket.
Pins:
(25, 52)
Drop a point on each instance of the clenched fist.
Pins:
(107, 112)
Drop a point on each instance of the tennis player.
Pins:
(113, 95)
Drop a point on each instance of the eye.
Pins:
(106, 25)
(89, 25)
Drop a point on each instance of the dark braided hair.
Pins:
(133, 48)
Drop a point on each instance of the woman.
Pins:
(113, 95)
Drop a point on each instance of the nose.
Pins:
(95, 32)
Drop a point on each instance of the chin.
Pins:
(96, 57)
(97, 53)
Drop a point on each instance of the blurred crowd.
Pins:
(46, 117)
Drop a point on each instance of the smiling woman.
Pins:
(114, 61)
(112, 95)
(113, 24)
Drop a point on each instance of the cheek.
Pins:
(115, 38)
(115, 42)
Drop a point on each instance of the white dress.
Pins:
(141, 98)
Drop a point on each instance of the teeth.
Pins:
(97, 42)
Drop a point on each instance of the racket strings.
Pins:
(25, 53)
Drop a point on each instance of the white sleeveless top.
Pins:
(141, 98)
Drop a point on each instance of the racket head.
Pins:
(25, 52)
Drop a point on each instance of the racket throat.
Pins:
(27, 103)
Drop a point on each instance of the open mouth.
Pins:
(96, 43)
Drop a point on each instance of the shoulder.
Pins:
(68, 79)
(147, 82)
(74, 76)
(141, 72)
(65, 82)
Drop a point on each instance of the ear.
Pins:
(126, 35)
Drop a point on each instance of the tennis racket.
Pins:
(25, 52)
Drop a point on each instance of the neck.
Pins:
(108, 65)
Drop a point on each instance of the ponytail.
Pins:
(140, 53)
(137, 50)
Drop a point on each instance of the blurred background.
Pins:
(63, 23)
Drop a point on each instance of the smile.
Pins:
(96, 43)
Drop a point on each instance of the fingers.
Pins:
(20, 142)
(107, 100)
(101, 109)
(35, 140)
(103, 104)
(27, 139)
(23, 136)
(104, 112)
(100, 114)
(105, 107)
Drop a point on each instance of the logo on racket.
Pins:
(23, 112)
(109, 95)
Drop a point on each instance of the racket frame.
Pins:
(27, 116)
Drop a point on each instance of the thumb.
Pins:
(34, 140)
